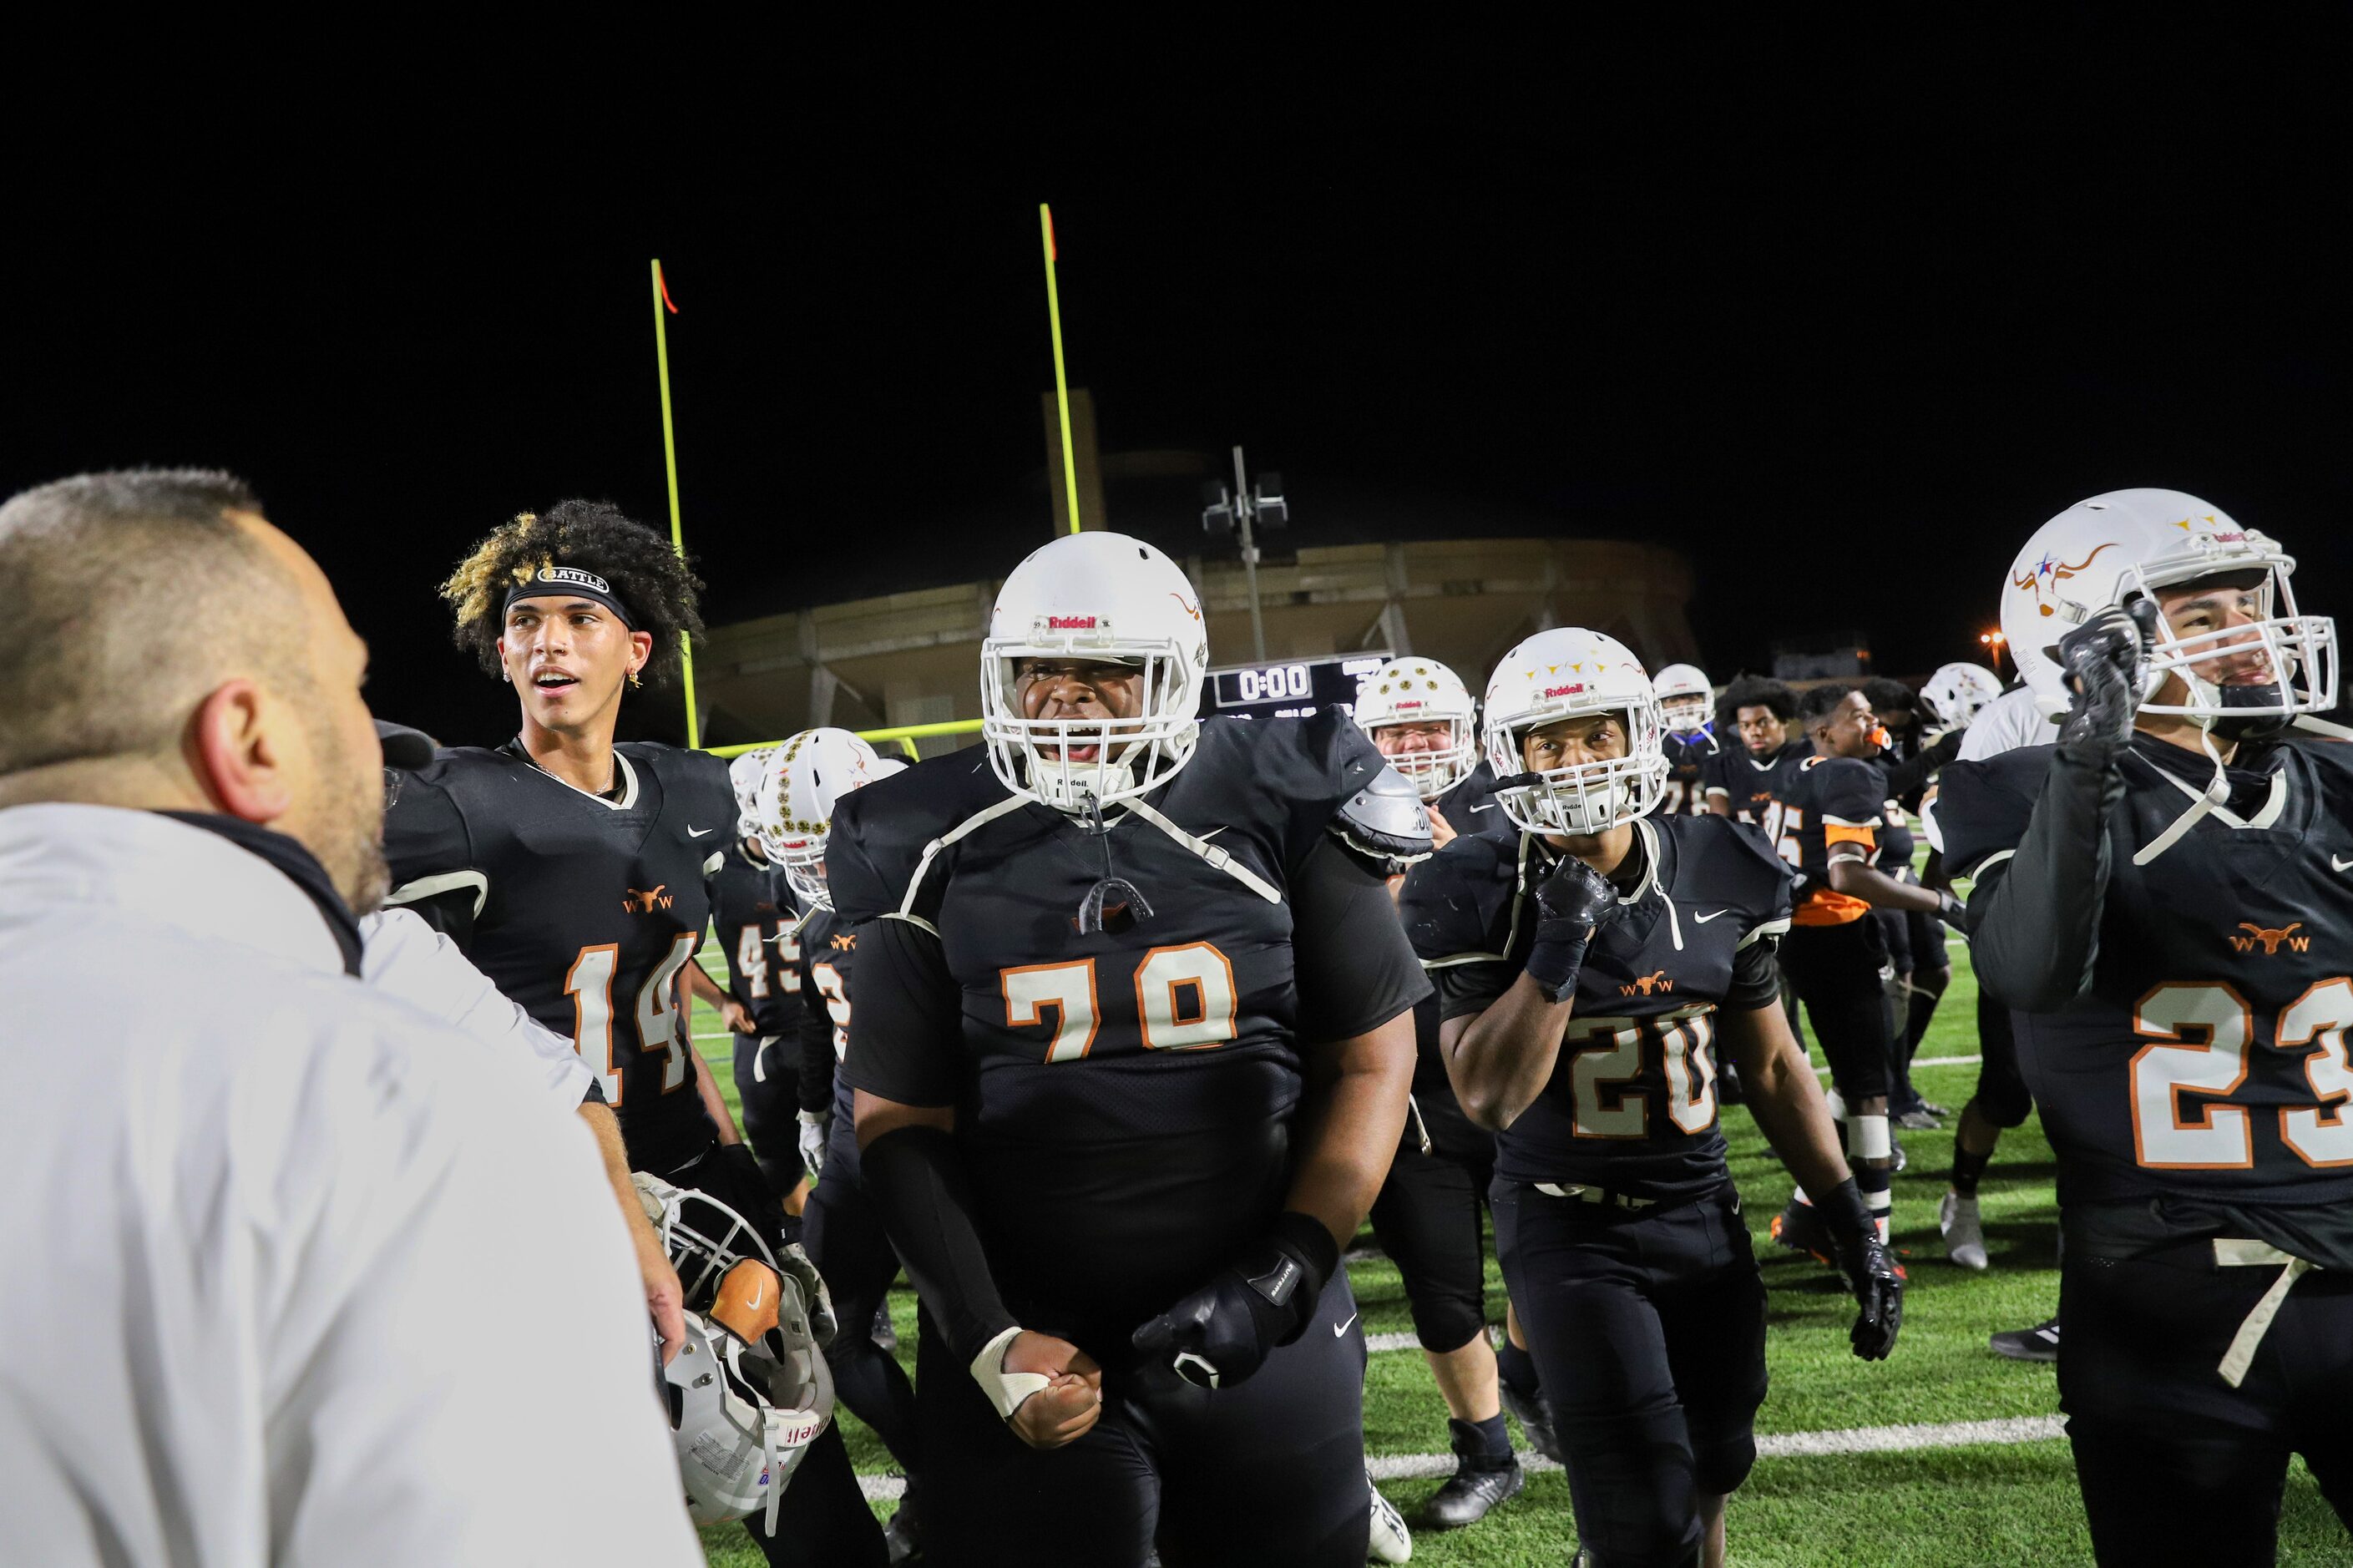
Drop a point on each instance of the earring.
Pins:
(633, 679)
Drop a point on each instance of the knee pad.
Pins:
(1631, 1480)
(1721, 1465)
(1867, 1138)
(2004, 1105)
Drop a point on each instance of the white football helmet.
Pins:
(1095, 596)
(1685, 696)
(1565, 673)
(745, 771)
(1957, 693)
(2113, 547)
(793, 813)
(751, 1389)
(1420, 691)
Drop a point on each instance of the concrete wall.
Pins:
(911, 658)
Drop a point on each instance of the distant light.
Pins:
(1992, 638)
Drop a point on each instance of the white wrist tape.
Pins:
(1005, 1389)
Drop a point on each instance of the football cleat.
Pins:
(1534, 1420)
(1480, 1481)
(903, 1538)
(2040, 1343)
(1391, 1541)
(1919, 1119)
(1799, 1228)
(1962, 1232)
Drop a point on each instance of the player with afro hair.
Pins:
(654, 586)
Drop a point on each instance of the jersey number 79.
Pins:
(1184, 997)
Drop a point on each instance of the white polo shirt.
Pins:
(296, 1274)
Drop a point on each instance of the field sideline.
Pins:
(1987, 1504)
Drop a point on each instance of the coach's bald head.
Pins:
(164, 648)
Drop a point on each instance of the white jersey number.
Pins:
(589, 984)
(1185, 997)
(2199, 1036)
(1605, 1057)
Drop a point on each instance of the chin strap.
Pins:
(2217, 791)
(1651, 847)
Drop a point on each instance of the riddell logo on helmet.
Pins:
(1564, 690)
(1070, 623)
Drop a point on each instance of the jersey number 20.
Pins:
(659, 1027)
(1184, 995)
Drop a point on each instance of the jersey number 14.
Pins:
(660, 1025)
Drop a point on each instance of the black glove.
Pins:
(1871, 1273)
(2105, 659)
(1951, 911)
(1220, 1333)
(1572, 904)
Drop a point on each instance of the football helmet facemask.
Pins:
(744, 772)
(1413, 690)
(1566, 673)
(1104, 597)
(2125, 545)
(805, 775)
(1685, 696)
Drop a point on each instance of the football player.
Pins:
(2019, 717)
(1584, 974)
(1689, 703)
(1739, 779)
(1826, 818)
(1431, 1214)
(2162, 898)
(573, 872)
(803, 783)
(1131, 1054)
(1914, 938)
(755, 922)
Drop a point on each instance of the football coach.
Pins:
(297, 1275)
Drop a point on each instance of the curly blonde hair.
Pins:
(649, 576)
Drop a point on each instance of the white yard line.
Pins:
(1769, 1446)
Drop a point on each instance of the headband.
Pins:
(549, 582)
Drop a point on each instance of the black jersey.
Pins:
(581, 909)
(1689, 758)
(1630, 1105)
(1124, 1098)
(750, 910)
(1820, 802)
(828, 949)
(1471, 807)
(1747, 781)
(2208, 1056)
(1896, 842)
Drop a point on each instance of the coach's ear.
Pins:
(238, 748)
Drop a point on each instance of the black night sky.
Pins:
(1843, 324)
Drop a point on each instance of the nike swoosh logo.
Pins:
(1343, 1328)
(2341, 865)
(1703, 920)
(1489, 806)
(700, 832)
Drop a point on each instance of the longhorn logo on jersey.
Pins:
(645, 901)
(2271, 939)
(1644, 985)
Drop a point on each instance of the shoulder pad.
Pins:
(1457, 904)
(1386, 823)
(1983, 807)
(1736, 862)
(881, 832)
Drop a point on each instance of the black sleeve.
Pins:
(906, 1032)
(1355, 969)
(917, 1178)
(430, 854)
(2034, 918)
(816, 1040)
(1852, 796)
(1907, 778)
(1756, 975)
(1464, 989)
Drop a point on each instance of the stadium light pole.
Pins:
(1243, 509)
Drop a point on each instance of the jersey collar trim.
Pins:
(620, 763)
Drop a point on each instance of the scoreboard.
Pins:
(1290, 690)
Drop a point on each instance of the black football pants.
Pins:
(1269, 1473)
(2177, 1467)
(1648, 1331)
(843, 1232)
(823, 1521)
(1428, 1219)
(1834, 968)
(765, 1083)
(2002, 1097)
